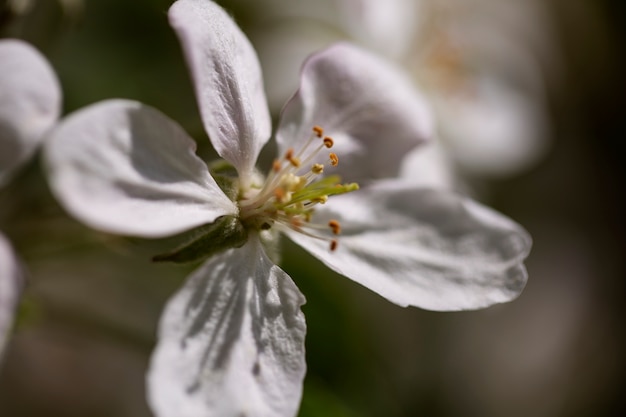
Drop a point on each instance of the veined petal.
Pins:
(231, 341)
(368, 107)
(423, 247)
(124, 167)
(228, 81)
(30, 102)
(10, 284)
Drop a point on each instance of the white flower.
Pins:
(30, 102)
(231, 341)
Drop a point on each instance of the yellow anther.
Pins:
(328, 142)
(334, 159)
(276, 165)
(333, 245)
(293, 182)
(293, 160)
(317, 168)
(319, 132)
(334, 226)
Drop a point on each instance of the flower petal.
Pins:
(423, 247)
(231, 341)
(429, 166)
(388, 27)
(370, 109)
(124, 167)
(495, 130)
(30, 102)
(228, 81)
(10, 283)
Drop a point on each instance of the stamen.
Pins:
(288, 197)
(319, 132)
(317, 168)
(293, 160)
(292, 182)
(282, 195)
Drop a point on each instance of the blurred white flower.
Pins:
(10, 285)
(30, 103)
(231, 341)
(477, 60)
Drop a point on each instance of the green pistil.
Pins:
(318, 191)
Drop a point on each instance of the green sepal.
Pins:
(225, 175)
(225, 233)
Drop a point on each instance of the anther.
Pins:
(334, 226)
(276, 165)
(281, 195)
(319, 132)
(333, 245)
(295, 161)
(334, 159)
(328, 142)
(317, 168)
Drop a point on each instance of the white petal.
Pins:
(124, 167)
(367, 106)
(387, 26)
(231, 341)
(493, 130)
(282, 49)
(423, 247)
(10, 284)
(30, 102)
(228, 81)
(429, 166)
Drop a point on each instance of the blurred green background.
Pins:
(87, 323)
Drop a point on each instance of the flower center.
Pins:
(294, 187)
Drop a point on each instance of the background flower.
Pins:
(30, 101)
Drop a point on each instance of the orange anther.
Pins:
(292, 159)
(319, 132)
(279, 193)
(276, 165)
(328, 142)
(334, 159)
(335, 226)
(333, 245)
